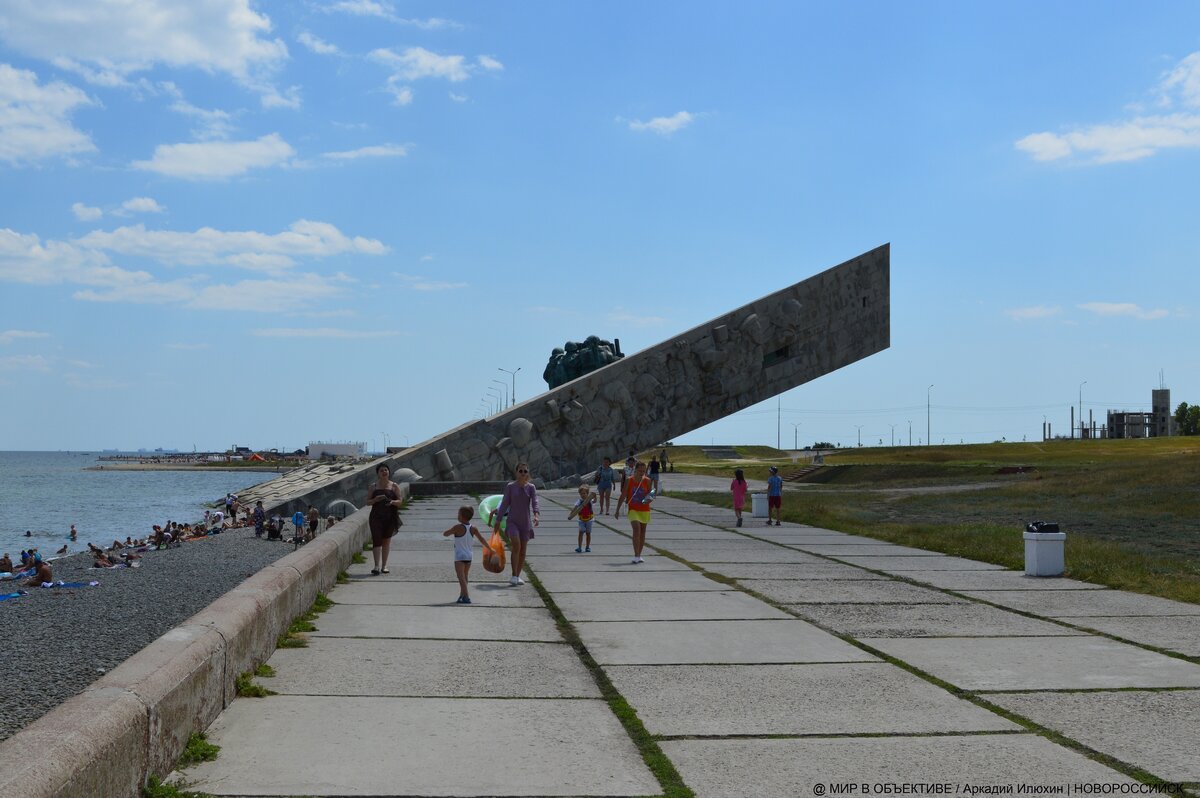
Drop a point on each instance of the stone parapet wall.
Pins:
(762, 349)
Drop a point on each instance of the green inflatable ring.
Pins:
(489, 506)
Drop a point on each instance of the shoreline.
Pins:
(187, 467)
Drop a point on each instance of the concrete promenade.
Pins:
(763, 661)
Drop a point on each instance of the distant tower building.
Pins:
(1160, 406)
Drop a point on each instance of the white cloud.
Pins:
(244, 249)
(322, 332)
(371, 8)
(213, 123)
(1134, 138)
(418, 283)
(664, 125)
(1126, 141)
(35, 119)
(25, 259)
(1123, 309)
(24, 363)
(1034, 312)
(272, 98)
(625, 318)
(417, 62)
(489, 63)
(217, 159)
(317, 45)
(8, 336)
(139, 205)
(85, 213)
(458, 98)
(427, 258)
(401, 95)
(299, 291)
(376, 151)
(106, 42)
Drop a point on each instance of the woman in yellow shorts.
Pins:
(638, 492)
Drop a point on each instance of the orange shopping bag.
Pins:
(493, 554)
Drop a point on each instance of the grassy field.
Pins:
(1131, 509)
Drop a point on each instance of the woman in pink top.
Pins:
(738, 486)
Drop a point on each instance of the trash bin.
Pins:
(758, 505)
(1044, 549)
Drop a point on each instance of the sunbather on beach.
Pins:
(102, 561)
(5, 564)
(116, 545)
(43, 577)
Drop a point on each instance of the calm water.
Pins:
(46, 492)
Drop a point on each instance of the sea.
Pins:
(46, 492)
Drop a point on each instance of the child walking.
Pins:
(738, 486)
(463, 531)
(583, 508)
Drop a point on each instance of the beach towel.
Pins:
(18, 575)
(61, 583)
(17, 594)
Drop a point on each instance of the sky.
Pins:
(268, 223)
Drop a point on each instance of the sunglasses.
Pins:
(522, 470)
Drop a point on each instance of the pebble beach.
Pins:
(58, 641)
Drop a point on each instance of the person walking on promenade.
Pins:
(653, 473)
(638, 493)
(774, 496)
(586, 512)
(520, 505)
(738, 487)
(626, 475)
(384, 520)
(463, 531)
(605, 477)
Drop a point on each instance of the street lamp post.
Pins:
(910, 432)
(893, 426)
(503, 385)
(1080, 410)
(927, 400)
(513, 400)
(499, 399)
(859, 426)
(796, 434)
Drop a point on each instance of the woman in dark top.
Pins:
(385, 502)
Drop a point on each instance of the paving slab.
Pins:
(725, 605)
(1179, 633)
(426, 573)
(422, 746)
(566, 548)
(712, 642)
(756, 768)
(1039, 663)
(928, 620)
(802, 571)
(448, 668)
(832, 591)
(1156, 731)
(690, 532)
(474, 622)
(1080, 603)
(815, 538)
(604, 562)
(855, 698)
(632, 581)
(993, 580)
(873, 549)
(396, 592)
(750, 552)
(942, 563)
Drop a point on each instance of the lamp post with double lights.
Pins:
(1080, 409)
(927, 405)
(796, 434)
(513, 395)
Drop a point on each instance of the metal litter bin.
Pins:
(1044, 549)
(758, 505)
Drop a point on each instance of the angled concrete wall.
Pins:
(750, 354)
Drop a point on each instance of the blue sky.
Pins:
(268, 223)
